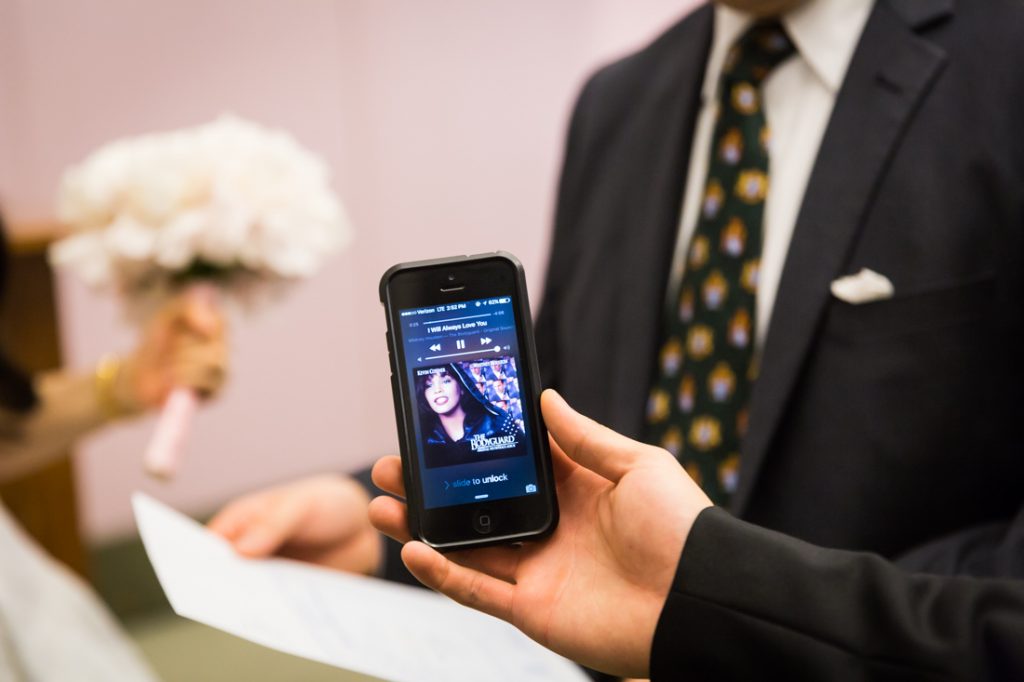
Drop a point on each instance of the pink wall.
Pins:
(442, 121)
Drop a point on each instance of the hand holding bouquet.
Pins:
(224, 210)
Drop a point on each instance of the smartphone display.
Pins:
(475, 451)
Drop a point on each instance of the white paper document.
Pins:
(387, 630)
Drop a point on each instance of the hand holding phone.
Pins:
(595, 589)
(477, 465)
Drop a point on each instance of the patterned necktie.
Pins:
(697, 408)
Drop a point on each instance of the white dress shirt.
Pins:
(798, 98)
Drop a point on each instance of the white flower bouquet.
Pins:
(229, 203)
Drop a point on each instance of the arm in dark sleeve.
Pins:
(748, 603)
(392, 568)
(17, 394)
(994, 550)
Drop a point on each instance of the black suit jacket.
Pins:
(893, 427)
(751, 604)
(876, 427)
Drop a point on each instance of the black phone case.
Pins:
(529, 350)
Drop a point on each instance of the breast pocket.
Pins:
(920, 312)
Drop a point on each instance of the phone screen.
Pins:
(462, 373)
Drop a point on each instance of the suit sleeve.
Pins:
(748, 603)
(392, 567)
(993, 550)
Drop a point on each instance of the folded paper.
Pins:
(390, 631)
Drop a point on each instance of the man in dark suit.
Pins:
(879, 426)
(888, 425)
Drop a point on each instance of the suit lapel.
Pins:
(661, 128)
(890, 72)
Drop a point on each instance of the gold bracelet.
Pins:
(108, 369)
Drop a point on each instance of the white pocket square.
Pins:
(864, 287)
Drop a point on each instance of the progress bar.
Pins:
(456, 319)
(496, 349)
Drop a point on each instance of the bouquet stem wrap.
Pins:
(166, 448)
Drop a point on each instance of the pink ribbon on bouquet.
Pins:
(166, 447)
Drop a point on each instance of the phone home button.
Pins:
(482, 522)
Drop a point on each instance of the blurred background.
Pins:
(443, 125)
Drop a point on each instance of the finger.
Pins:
(205, 381)
(186, 341)
(361, 553)
(230, 521)
(389, 516)
(467, 586)
(204, 320)
(561, 465)
(184, 316)
(502, 562)
(387, 475)
(200, 313)
(270, 529)
(586, 442)
(201, 368)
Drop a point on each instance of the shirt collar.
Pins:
(825, 32)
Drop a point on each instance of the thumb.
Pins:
(202, 316)
(586, 442)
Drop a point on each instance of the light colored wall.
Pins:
(442, 121)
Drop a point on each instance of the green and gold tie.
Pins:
(697, 407)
